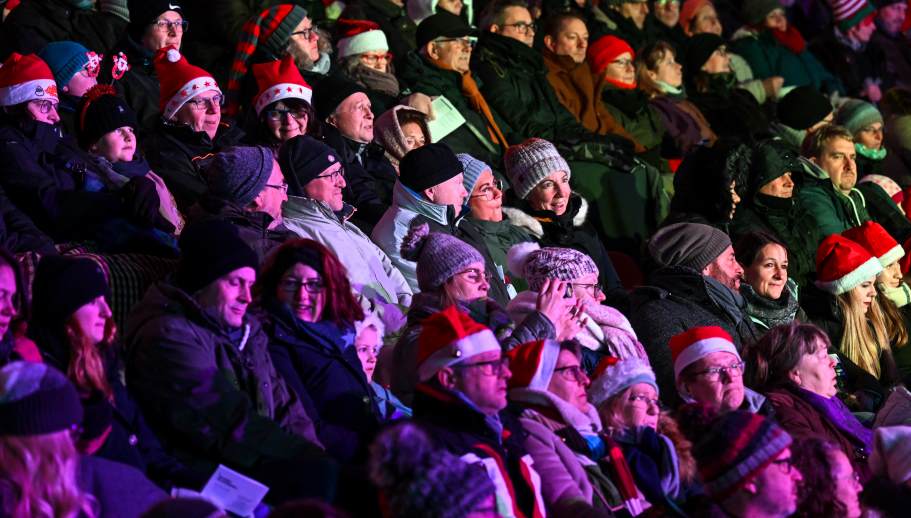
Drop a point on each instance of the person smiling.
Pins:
(771, 295)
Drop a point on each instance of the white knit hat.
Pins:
(613, 376)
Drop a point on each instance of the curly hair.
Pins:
(814, 458)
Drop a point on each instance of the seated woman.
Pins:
(283, 105)
(771, 296)
(368, 343)
(73, 327)
(364, 58)
(606, 332)
(822, 463)
(309, 313)
(792, 367)
(706, 185)
(865, 122)
(13, 310)
(565, 438)
(399, 130)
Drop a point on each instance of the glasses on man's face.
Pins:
(44, 106)
(283, 187)
(491, 368)
(734, 370)
(785, 465)
(168, 26)
(374, 59)
(572, 373)
(334, 175)
(489, 191)
(200, 103)
(277, 115)
(292, 285)
(465, 42)
(475, 275)
(307, 34)
(523, 27)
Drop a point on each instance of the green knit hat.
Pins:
(856, 115)
(753, 12)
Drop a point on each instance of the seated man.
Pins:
(198, 366)
(315, 210)
(460, 398)
(246, 188)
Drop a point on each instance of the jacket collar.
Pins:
(405, 198)
(523, 218)
(298, 206)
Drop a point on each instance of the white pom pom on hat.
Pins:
(173, 55)
(518, 256)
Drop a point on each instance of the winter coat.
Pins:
(675, 299)
(731, 111)
(883, 210)
(684, 122)
(626, 30)
(369, 269)
(34, 24)
(788, 220)
(120, 491)
(632, 110)
(832, 211)
(211, 396)
(896, 55)
(369, 177)
(853, 66)
(495, 442)
(320, 365)
(179, 155)
(769, 58)
(404, 369)
(252, 227)
(17, 232)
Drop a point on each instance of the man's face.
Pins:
(891, 18)
(166, 30)
(451, 192)
(518, 25)
(202, 113)
(667, 12)
(328, 186)
(725, 269)
(273, 195)
(863, 31)
(229, 296)
(838, 160)
(354, 118)
(451, 54)
(482, 379)
(775, 488)
(572, 40)
(635, 12)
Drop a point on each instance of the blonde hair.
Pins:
(865, 336)
(892, 317)
(86, 366)
(41, 472)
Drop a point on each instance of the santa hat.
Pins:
(694, 344)
(359, 36)
(532, 364)
(450, 337)
(180, 81)
(848, 13)
(613, 375)
(279, 80)
(26, 78)
(874, 238)
(842, 264)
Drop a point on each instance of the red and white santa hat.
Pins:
(359, 36)
(842, 264)
(876, 240)
(25, 78)
(532, 364)
(180, 81)
(449, 338)
(279, 80)
(694, 344)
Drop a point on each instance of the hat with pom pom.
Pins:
(613, 376)
(842, 264)
(439, 256)
(359, 36)
(180, 81)
(532, 364)
(535, 264)
(450, 337)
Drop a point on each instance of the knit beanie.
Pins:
(699, 49)
(891, 455)
(693, 245)
(535, 264)
(26, 78)
(64, 284)
(211, 249)
(753, 12)
(472, 170)
(848, 13)
(331, 92)
(100, 112)
(144, 12)
(856, 115)
(734, 448)
(530, 162)
(604, 51)
(36, 399)
(65, 58)
(238, 174)
(302, 159)
(842, 264)
(532, 364)
(278, 80)
(448, 338)
(439, 256)
(427, 166)
(266, 34)
(359, 36)
(803, 107)
(612, 376)
(696, 343)
(180, 81)
(688, 11)
(876, 240)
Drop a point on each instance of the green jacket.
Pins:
(833, 211)
(637, 116)
(498, 237)
(769, 58)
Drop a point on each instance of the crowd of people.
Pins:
(448, 258)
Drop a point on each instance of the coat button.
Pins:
(133, 440)
(265, 384)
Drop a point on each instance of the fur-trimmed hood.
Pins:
(525, 220)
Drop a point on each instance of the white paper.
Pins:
(234, 492)
(447, 119)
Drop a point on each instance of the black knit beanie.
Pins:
(100, 112)
(62, 285)
(699, 49)
(429, 165)
(302, 159)
(144, 12)
(211, 249)
(36, 399)
(330, 92)
(803, 107)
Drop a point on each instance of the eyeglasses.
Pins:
(714, 373)
(622, 63)
(334, 175)
(44, 106)
(475, 275)
(642, 398)
(313, 286)
(572, 373)
(785, 465)
(466, 42)
(491, 368)
(283, 187)
(414, 142)
(215, 102)
(488, 191)
(308, 34)
(523, 27)
(168, 26)
(373, 59)
(594, 289)
(276, 114)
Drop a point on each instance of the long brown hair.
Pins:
(647, 61)
(86, 368)
(892, 317)
(814, 458)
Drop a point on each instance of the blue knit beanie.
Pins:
(238, 174)
(66, 59)
(473, 169)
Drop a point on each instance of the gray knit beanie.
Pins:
(530, 162)
(438, 256)
(473, 169)
(688, 244)
(238, 174)
(753, 12)
(856, 115)
(535, 264)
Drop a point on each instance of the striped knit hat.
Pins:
(848, 13)
(266, 33)
(842, 264)
(876, 240)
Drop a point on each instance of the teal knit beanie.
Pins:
(856, 115)
(65, 58)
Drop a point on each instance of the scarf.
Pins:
(372, 79)
(768, 312)
(674, 92)
(325, 333)
(473, 94)
(872, 154)
(791, 39)
(901, 295)
(835, 411)
(721, 84)
(322, 65)
(620, 84)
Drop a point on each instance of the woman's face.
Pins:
(155, 38)
(769, 272)
(413, 135)
(891, 276)
(367, 344)
(8, 309)
(469, 285)
(43, 110)
(816, 371)
(92, 318)
(116, 146)
(871, 136)
(668, 70)
(862, 295)
(284, 122)
(847, 484)
(304, 40)
(621, 69)
(781, 187)
(723, 390)
(718, 62)
(202, 113)
(587, 288)
(302, 289)
(569, 381)
(706, 20)
(776, 20)
(639, 406)
(452, 6)
(552, 193)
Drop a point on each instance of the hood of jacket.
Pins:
(406, 199)
(211, 206)
(388, 131)
(533, 221)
